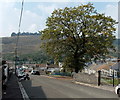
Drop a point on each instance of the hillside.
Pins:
(29, 47)
(27, 44)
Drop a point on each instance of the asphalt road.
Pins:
(43, 87)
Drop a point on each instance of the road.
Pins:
(43, 87)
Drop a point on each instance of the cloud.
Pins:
(33, 21)
(112, 10)
(47, 10)
(8, 16)
(30, 21)
(32, 28)
(10, 19)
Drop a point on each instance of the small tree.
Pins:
(78, 35)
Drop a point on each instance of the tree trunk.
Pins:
(76, 69)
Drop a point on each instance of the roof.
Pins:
(29, 64)
(94, 66)
(53, 66)
(100, 66)
(41, 65)
(116, 66)
(103, 67)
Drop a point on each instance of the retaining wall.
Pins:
(86, 78)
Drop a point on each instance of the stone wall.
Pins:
(86, 78)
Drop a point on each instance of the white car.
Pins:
(20, 74)
(117, 90)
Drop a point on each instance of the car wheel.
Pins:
(118, 92)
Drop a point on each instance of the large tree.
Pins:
(78, 35)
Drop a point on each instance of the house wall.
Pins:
(105, 72)
(53, 69)
(111, 73)
(89, 71)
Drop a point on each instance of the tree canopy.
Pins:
(25, 34)
(78, 35)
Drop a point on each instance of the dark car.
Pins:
(34, 72)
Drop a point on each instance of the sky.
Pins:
(36, 12)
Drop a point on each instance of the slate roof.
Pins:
(116, 66)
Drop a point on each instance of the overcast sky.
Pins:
(35, 13)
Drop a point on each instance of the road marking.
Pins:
(24, 94)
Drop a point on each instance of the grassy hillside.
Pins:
(29, 47)
(27, 44)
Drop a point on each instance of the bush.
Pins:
(62, 73)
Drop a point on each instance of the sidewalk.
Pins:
(104, 87)
(13, 91)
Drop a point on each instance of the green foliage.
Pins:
(110, 81)
(25, 34)
(78, 35)
(36, 57)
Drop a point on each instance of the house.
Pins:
(41, 67)
(53, 67)
(91, 69)
(115, 68)
(29, 65)
(107, 69)
(104, 70)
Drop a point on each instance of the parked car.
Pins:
(25, 77)
(117, 90)
(20, 74)
(35, 72)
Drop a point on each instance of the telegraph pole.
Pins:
(19, 25)
(118, 42)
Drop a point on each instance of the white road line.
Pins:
(24, 94)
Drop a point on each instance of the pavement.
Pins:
(12, 91)
(104, 87)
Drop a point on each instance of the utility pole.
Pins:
(19, 25)
(118, 42)
(15, 59)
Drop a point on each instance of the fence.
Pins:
(96, 79)
(110, 80)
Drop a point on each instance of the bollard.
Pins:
(99, 78)
(113, 79)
